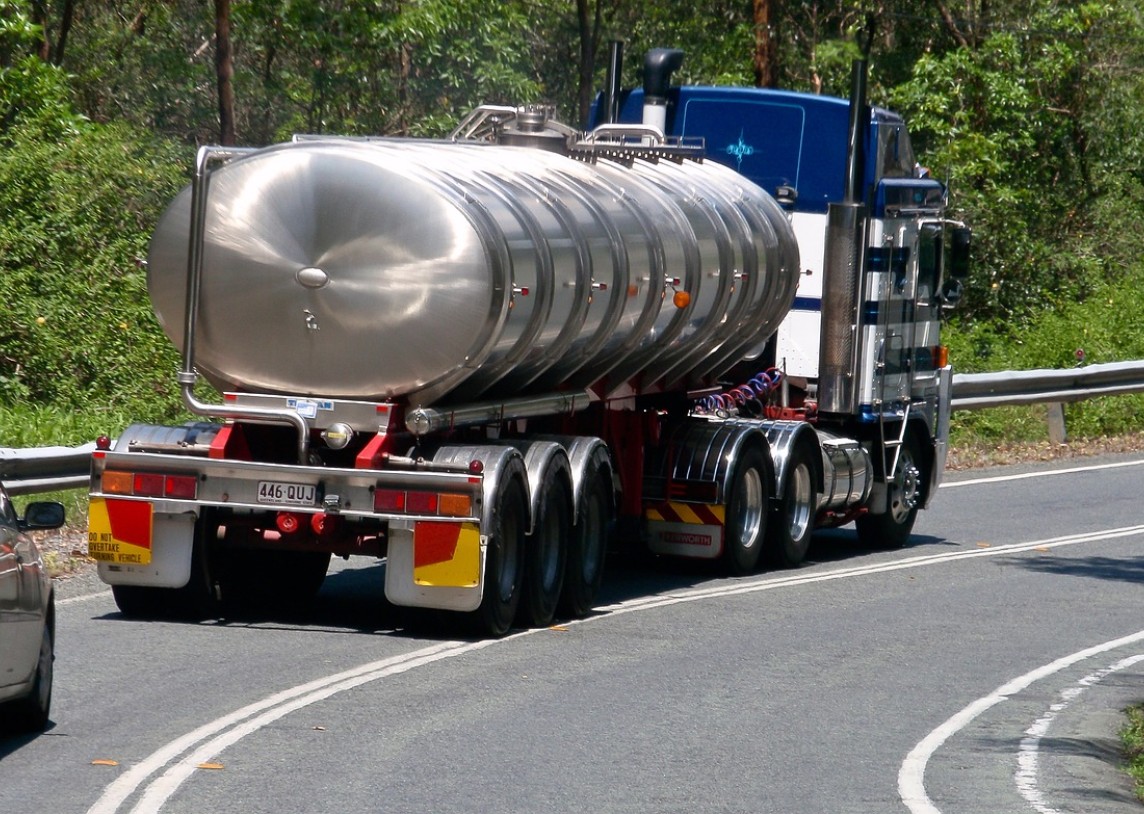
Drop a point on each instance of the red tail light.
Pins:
(421, 502)
(150, 484)
(442, 504)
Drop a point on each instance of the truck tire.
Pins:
(265, 579)
(504, 561)
(547, 553)
(589, 544)
(192, 602)
(792, 520)
(892, 529)
(746, 520)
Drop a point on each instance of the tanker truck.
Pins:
(705, 324)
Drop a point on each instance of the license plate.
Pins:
(287, 494)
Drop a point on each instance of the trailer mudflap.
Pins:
(434, 564)
(135, 545)
(119, 531)
(685, 529)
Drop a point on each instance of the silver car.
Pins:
(27, 618)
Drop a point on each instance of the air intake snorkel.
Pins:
(659, 64)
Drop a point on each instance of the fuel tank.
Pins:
(429, 271)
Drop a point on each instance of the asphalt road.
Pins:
(981, 669)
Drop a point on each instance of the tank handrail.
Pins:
(207, 158)
(624, 131)
(476, 125)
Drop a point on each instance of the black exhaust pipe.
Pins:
(859, 123)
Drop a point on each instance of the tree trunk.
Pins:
(40, 18)
(589, 26)
(65, 29)
(224, 70)
(766, 59)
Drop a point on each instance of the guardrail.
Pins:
(45, 469)
(48, 469)
(976, 391)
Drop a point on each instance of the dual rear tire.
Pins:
(556, 572)
(757, 527)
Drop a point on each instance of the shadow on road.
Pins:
(352, 598)
(1095, 567)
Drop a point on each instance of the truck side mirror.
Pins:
(960, 240)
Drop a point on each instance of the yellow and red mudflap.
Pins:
(135, 545)
(119, 531)
(434, 564)
(686, 529)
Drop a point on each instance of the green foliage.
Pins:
(1016, 124)
(150, 65)
(76, 327)
(31, 91)
(1132, 739)
(302, 66)
(1104, 327)
(1031, 110)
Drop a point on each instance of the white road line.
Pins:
(126, 784)
(179, 758)
(1027, 754)
(71, 600)
(911, 775)
(1045, 473)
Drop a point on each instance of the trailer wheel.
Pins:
(792, 520)
(892, 529)
(547, 553)
(746, 521)
(585, 570)
(292, 578)
(192, 602)
(265, 579)
(504, 561)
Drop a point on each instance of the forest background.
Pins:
(1032, 111)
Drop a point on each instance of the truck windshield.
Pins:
(895, 155)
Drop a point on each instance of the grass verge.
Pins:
(1132, 736)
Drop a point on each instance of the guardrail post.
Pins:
(1056, 419)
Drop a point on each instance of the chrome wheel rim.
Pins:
(749, 509)
(799, 495)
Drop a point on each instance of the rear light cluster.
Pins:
(443, 504)
(150, 484)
